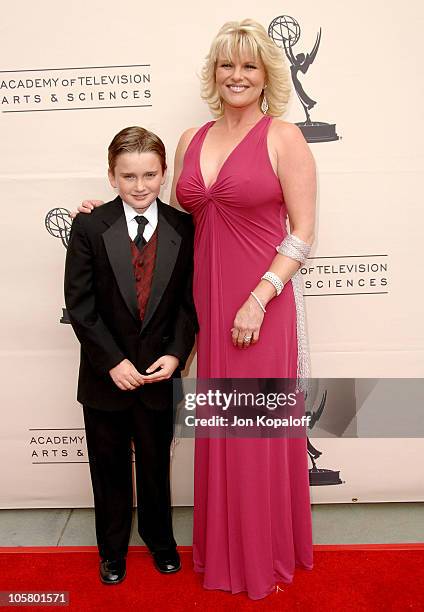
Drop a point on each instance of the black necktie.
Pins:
(139, 240)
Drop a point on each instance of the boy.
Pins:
(128, 292)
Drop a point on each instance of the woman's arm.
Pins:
(296, 171)
(179, 160)
(297, 175)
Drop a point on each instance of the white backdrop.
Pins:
(364, 79)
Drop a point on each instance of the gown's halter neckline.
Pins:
(229, 156)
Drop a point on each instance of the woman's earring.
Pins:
(264, 104)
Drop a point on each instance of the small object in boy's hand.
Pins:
(148, 372)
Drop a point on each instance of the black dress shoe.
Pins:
(112, 571)
(167, 561)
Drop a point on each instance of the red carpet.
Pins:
(360, 578)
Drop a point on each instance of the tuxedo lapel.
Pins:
(169, 241)
(118, 250)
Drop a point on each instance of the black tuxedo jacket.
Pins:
(100, 296)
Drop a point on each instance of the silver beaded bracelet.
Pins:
(295, 248)
(261, 306)
(274, 280)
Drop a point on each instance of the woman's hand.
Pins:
(86, 207)
(247, 324)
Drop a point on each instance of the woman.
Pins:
(240, 177)
(252, 521)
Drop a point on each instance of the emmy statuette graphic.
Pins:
(58, 223)
(319, 476)
(285, 31)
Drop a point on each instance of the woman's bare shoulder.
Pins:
(285, 131)
(190, 132)
(186, 137)
(290, 148)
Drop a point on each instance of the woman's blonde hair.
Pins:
(235, 38)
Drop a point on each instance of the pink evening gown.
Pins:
(252, 515)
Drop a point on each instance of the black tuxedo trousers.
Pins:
(108, 435)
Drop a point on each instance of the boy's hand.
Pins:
(86, 207)
(167, 364)
(125, 376)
